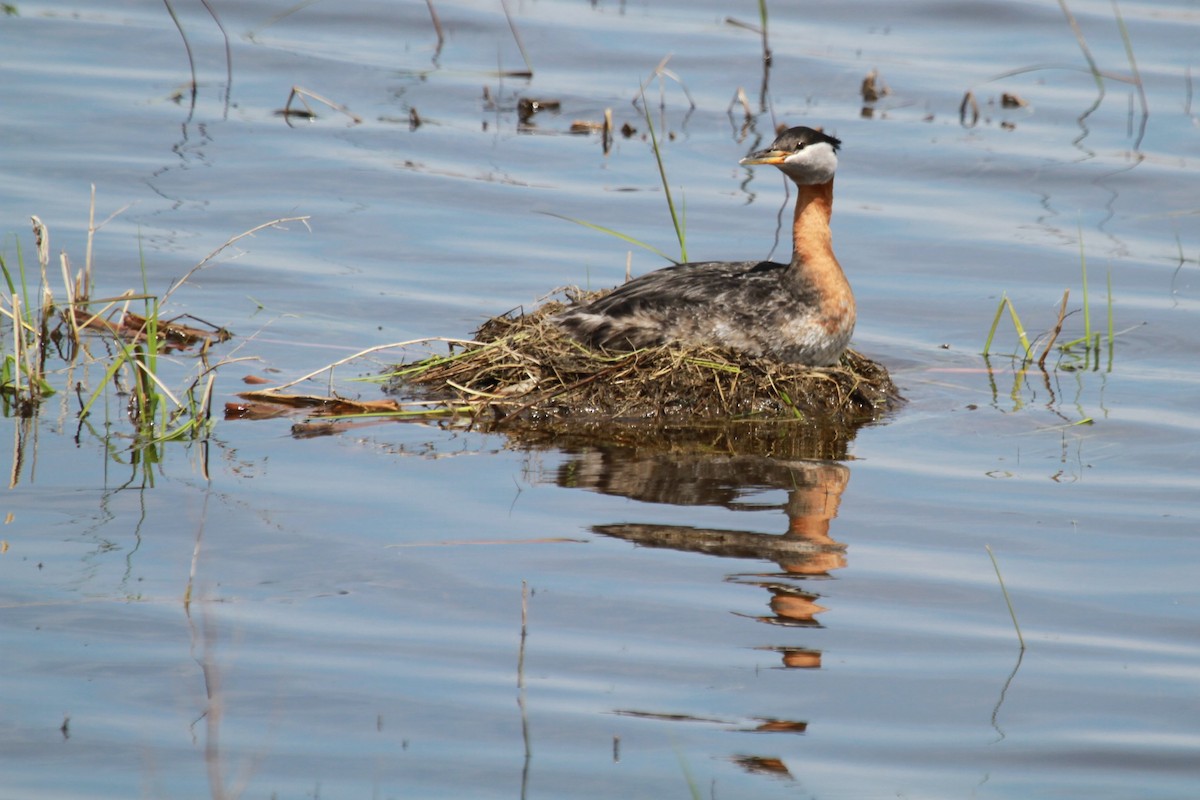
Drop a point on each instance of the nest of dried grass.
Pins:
(522, 367)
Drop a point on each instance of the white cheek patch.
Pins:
(814, 164)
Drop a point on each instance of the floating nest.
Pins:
(522, 370)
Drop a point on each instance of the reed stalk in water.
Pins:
(676, 220)
(1086, 348)
(1007, 599)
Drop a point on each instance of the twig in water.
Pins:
(739, 97)
(762, 13)
(1087, 309)
(517, 37)
(1062, 313)
(521, 688)
(662, 173)
(1007, 599)
(1110, 322)
(1087, 54)
(368, 351)
(299, 93)
(659, 72)
(93, 229)
(1133, 69)
(1187, 98)
(437, 28)
(969, 106)
(212, 12)
(524, 610)
(204, 261)
(188, 49)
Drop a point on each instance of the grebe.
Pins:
(801, 312)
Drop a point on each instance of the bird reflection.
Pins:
(764, 765)
(814, 490)
(804, 551)
(731, 469)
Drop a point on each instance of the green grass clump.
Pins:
(56, 335)
(1081, 353)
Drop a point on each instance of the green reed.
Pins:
(1082, 352)
(23, 382)
(676, 219)
(50, 342)
(1008, 600)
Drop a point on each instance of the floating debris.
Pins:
(968, 110)
(528, 106)
(584, 126)
(268, 404)
(131, 327)
(298, 94)
(873, 88)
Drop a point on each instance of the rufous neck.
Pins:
(810, 228)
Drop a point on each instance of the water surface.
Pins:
(740, 624)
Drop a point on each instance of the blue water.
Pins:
(271, 615)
